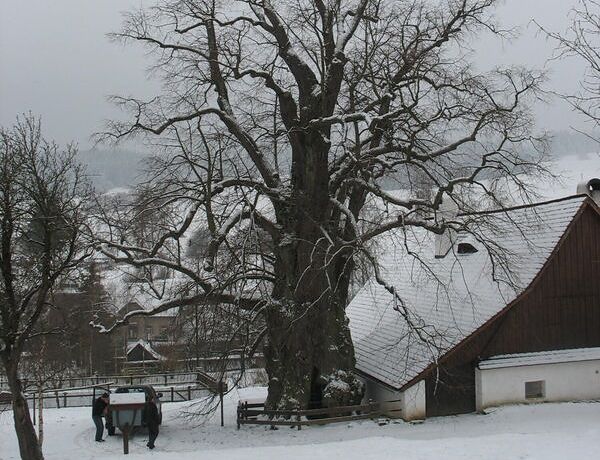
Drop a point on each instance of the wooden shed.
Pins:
(466, 313)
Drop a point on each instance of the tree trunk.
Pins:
(29, 446)
(309, 353)
(309, 356)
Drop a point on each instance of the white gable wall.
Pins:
(567, 381)
(408, 405)
(413, 402)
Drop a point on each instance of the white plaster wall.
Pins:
(408, 405)
(564, 382)
(391, 400)
(413, 402)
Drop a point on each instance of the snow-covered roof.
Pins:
(147, 347)
(448, 298)
(124, 293)
(541, 357)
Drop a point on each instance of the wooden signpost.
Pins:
(127, 410)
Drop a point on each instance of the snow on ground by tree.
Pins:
(545, 431)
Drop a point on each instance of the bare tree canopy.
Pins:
(582, 40)
(42, 199)
(282, 127)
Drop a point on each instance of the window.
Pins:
(132, 331)
(536, 389)
(149, 332)
(466, 248)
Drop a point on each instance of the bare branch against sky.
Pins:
(56, 60)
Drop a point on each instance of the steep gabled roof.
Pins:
(145, 347)
(452, 297)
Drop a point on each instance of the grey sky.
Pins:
(56, 61)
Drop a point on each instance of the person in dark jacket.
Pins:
(99, 409)
(152, 421)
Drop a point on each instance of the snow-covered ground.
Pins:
(545, 431)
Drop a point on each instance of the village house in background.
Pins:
(533, 336)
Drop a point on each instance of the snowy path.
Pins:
(547, 431)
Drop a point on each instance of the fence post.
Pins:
(189, 393)
(221, 400)
(34, 407)
(57, 400)
(239, 407)
(298, 419)
(371, 408)
(64, 399)
(172, 394)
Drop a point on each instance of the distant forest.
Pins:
(111, 169)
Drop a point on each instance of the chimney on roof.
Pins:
(448, 210)
(591, 188)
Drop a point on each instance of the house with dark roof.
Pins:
(141, 353)
(467, 329)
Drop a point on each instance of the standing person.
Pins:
(152, 420)
(99, 410)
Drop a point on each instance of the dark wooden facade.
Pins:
(139, 354)
(559, 310)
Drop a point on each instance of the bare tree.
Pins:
(581, 40)
(280, 124)
(42, 197)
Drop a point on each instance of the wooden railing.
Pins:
(165, 379)
(254, 413)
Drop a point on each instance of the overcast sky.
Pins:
(56, 61)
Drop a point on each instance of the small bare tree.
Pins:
(582, 40)
(281, 123)
(42, 202)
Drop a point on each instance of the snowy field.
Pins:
(545, 431)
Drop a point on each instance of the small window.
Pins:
(132, 331)
(466, 248)
(535, 390)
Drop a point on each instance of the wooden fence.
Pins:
(254, 413)
(177, 391)
(164, 379)
(59, 398)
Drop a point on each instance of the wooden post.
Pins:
(239, 410)
(34, 408)
(172, 394)
(126, 438)
(221, 400)
(189, 393)
(298, 419)
(64, 399)
(57, 400)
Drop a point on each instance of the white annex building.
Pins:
(507, 313)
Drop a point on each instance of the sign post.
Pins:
(127, 410)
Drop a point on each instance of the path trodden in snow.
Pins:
(546, 431)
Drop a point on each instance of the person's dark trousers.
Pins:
(99, 427)
(152, 435)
